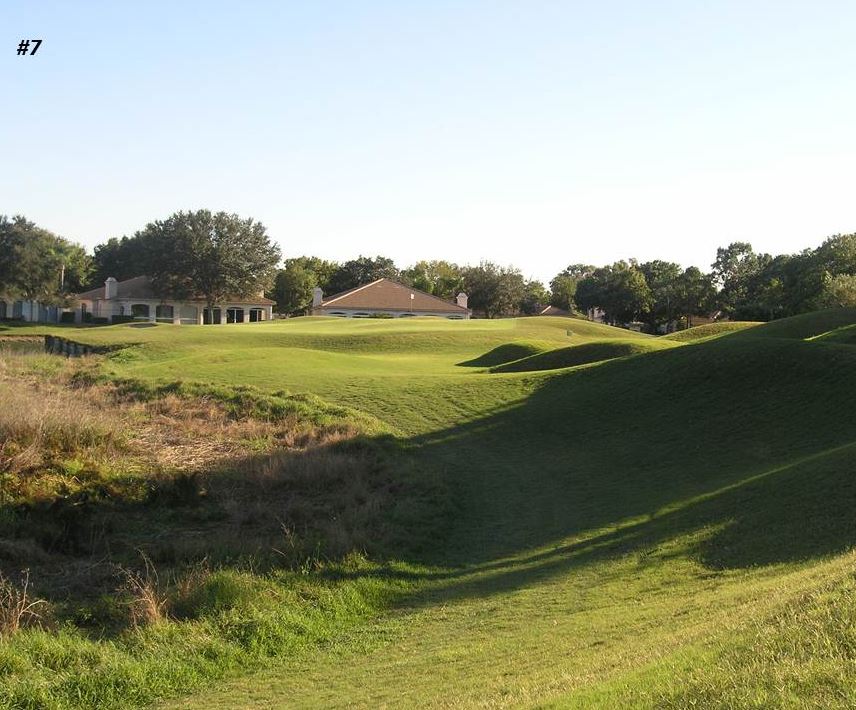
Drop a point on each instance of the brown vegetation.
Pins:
(99, 478)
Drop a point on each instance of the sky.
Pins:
(531, 133)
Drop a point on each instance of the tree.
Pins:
(839, 291)
(620, 291)
(563, 287)
(296, 281)
(439, 278)
(212, 255)
(535, 296)
(735, 267)
(694, 294)
(494, 290)
(37, 265)
(662, 279)
(122, 258)
(361, 271)
(628, 294)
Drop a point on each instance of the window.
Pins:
(234, 315)
(189, 315)
(140, 311)
(211, 318)
(164, 313)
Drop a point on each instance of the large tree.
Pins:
(37, 265)
(734, 270)
(296, 281)
(620, 291)
(662, 278)
(122, 258)
(215, 256)
(563, 287)
(694, 294)
(361, 271)
(494, 290)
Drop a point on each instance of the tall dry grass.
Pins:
(35, 423)
(17, 606)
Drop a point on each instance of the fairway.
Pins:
(653, 523)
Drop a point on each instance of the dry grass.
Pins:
(17, 607)
(95, 473)
(148, 597)
(36, 422)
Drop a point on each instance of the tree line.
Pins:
(740, 285)
(216, 255)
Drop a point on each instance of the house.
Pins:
(387, 298)
(136, 298)
(30, 311)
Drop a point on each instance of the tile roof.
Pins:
(141, 287)
(385, 294)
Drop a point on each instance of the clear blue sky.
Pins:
(533, 133)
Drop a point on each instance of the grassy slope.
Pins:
(573, 355)
(625, 532)
(708, 330)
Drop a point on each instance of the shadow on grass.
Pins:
(504, 353)
(743, 448)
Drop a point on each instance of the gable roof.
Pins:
(141, 287)
(385, 294)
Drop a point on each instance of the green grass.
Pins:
(709, 330)
(669, 529)
(574, 355)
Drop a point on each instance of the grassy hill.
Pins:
(661, 530)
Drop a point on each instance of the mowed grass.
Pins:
(669, 529)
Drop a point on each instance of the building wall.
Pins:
(183, 312)
(30, 311)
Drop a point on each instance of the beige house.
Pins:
(135, 298)
(386, 298)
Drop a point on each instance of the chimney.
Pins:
(111, 288)
(317, 297)
(461, 299)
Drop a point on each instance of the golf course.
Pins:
(421, 512)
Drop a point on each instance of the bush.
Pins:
(122, 319)
(67, 317)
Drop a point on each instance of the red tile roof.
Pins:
(387, 295)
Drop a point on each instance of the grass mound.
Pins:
(709, 330)
(655, 531)
(845, 335)
(582, 355)
(508, 353)
(804, 326)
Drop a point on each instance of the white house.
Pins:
(30, 311)
(137, 299)
(388, 298)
